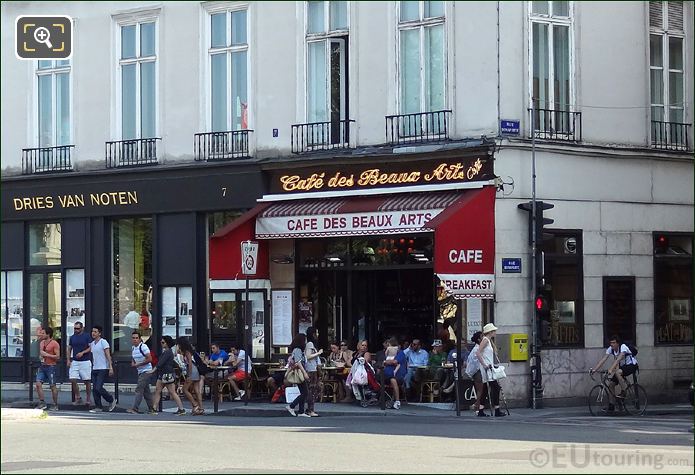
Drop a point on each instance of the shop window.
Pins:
(673, 289)
(366, 251)
(12, 344)
(74, 300)
(131, 281)
(564, 291)
(44, 244)
(221, 219)
(177, 312)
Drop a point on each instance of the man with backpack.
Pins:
(142, 361)
(624, 364)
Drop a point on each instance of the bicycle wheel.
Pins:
(598, 401)
(635, 400)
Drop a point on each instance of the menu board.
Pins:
(282, 317)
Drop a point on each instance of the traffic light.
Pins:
(542, 307)
(540, 221)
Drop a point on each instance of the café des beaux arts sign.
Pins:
(393, 174)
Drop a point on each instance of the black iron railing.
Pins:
(321, 136)
(47, 159)
(131, 153)
(670, 135)
(229, 145)
(421, 127)
(560, 125)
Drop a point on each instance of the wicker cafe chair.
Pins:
(430, 388)
(259, 381)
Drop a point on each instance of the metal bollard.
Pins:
(382, 398)
(31, 381)
(214, 391)
(115, 380)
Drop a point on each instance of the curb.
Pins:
(21, 414)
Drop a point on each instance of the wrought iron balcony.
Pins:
(321, 136)
(421, 127)
(670, 135)
(558, 125)
(131, 153)
(47, 159)
(214, 146)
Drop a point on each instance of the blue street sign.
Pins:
(509, 127)
(511, 265)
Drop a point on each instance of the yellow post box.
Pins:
(518, 346)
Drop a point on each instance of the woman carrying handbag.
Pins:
(486, 356)
(296, 374)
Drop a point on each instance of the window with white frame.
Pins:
(550, 24)
(53, 86)
(137, 64)
(228, 63)
(327, 34)
(422, 56)
(666, 68)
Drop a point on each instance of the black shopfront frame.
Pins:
(177, 199)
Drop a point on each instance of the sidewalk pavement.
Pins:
(15, 398)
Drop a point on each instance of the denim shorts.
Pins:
(46, 374)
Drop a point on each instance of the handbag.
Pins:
(295, 376)
(168, 378)
(497, 373)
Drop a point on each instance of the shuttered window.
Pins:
(666, 65)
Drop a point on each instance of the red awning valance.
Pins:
(464, 245)
(384, 214)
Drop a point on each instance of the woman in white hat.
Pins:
(486, 356)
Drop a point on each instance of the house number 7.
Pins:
(224, 191)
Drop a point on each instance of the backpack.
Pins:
(155, 360)
(633, 349)
(200, 364)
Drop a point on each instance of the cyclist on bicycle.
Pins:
(624, 364)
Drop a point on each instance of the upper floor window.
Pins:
(551, 53)
(54, 102)
(422, 56)
(228, 62)
(327, 61)
(666, 67)
(138, 76)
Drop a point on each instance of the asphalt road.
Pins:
(69, 442)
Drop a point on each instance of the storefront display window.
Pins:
(366, 251)
(74, 300)
(132, 281)
(44, 244)
(177, 312)
(12, 343)
(563, 290)
(673, 289)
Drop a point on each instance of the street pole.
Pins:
(457, 369)
(247, 344)
(534, 330)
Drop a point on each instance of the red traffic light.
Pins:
(539, 303)
(661, 241)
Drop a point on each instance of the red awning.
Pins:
(225, 248)
(464, 245)
(384, 214)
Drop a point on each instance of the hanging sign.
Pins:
(249, 257)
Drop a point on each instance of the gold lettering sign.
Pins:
(76, 200)
(443, 172)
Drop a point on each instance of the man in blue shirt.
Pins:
(217, 355)
(416, 357)
(80, 363)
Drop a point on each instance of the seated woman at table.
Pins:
(392, 376)
(362, 347)
(340, 354)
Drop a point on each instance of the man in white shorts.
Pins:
(80, 363)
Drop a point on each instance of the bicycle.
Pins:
(634, 401)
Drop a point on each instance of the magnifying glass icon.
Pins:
(42, 35)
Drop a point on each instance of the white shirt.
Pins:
(99, 354)
(139, 357)
(132, 319)
(241, 358)
(629, 359)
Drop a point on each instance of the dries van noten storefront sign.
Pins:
(322, 178)
(128, 195)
